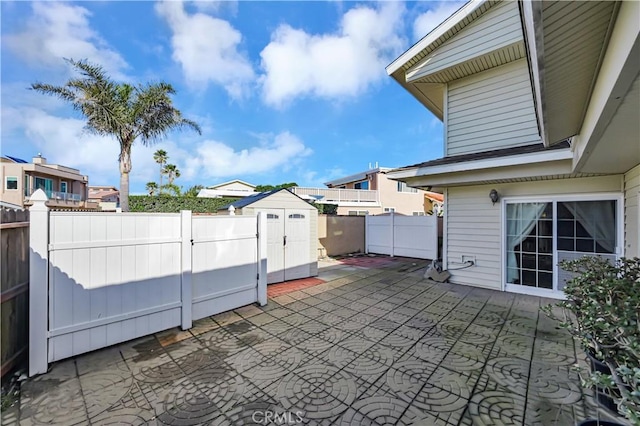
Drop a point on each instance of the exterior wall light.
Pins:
(494, 196)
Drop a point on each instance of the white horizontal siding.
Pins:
(474, 225)
(491, 110)
(473, 229)
(632, 212)
(497, 28)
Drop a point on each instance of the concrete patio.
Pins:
(372, 344)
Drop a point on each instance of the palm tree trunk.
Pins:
(125, 168)
(160, 187)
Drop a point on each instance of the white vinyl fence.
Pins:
(408, 236)
(98, 279)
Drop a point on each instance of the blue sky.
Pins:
(284, 91)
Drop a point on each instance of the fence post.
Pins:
(393, 228)
(38, 283)
(185, 275)
(366, 234)
(262, 258)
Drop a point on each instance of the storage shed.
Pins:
(292, 228)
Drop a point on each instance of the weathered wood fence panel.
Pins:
(14, 285)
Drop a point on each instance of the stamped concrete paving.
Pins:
(373, 345)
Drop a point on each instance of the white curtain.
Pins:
(598, 218)
(521, 218)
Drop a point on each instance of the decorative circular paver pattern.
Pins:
(375, 410)
(512, 373)
(444, 392)
(321, 390)
(496, 408)
(185, 404)
(406, 378)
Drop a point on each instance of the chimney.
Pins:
(39, 159)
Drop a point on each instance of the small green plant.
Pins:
(601, 311)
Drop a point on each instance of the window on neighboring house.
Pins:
(419, 213)
(63, 186)
(389, 209)
(361, 185)
(11, 182)
(27, 188)
(358, 212)
(45, 184)
(402, 187)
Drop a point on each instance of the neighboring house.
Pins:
(233, 189)
(369, 192)
(540, 103)
(65, 187)
(107, 197)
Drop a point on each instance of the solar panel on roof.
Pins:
(16, 159)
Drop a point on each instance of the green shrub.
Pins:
(326, 208)
(169, 204)
(602, 312)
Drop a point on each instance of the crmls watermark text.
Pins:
(268, 417)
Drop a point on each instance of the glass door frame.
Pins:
(618, 197)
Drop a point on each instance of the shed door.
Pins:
(297, 234)
(275, 245)
(288, 244)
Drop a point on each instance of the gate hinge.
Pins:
(192, 241)
(258, 277)
(257, 235)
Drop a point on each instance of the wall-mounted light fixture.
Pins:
(494, 196)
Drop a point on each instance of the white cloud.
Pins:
(427, 21)
(214, 159)
(332, 66)
(60, 30)
(64, 141)
(207, 49)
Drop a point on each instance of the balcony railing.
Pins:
(336, 196)
(61, 196)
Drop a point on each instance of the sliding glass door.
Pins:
(539, 234)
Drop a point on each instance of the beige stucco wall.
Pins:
(404, 202)
(12, 196)
(339, 235)
(17, 170)
(473, 226)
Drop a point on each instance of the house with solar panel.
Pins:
(65, 187)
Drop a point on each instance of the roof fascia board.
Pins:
(490, 163)
(434, 35)
(468, 177)
(531, 15)
(357, 176)
(37, 168)
(619, 69)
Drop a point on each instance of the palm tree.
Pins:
(161, 158)
(121, 110)
(152, 187)
(172, 172)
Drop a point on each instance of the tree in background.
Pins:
(173, 189)
(161, 157)
(172, 172)
(193, 191)
(122, 110)
(152, 187)
(265, 188)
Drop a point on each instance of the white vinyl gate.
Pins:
(287, 244)
(408, 236)
(103, 278)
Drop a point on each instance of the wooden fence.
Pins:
(14, 287)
